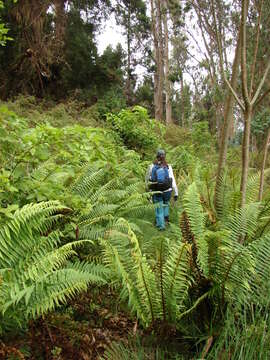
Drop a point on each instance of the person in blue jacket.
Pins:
(160, 178)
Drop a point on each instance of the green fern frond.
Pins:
(104, 190)
(43, 170)
(234, 270)
(193, 208)
(253, 184)
(147, 289)
(93, 232)
(259, 281)
(87, 181)
(244, 223)
(121, 263)
(31, 221)
(137, 211)
(176, 279)
(97, 211)
(196, 224)
(221, 204)
(35, 274)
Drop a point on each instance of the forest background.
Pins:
(83, 272)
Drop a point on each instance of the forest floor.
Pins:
(87, 326)
(82, 330)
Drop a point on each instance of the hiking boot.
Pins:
(166, 218)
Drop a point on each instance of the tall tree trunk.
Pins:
(168, 91)
(182, 101)
(263, 165)
(160, 64)
(60, 21)
(228, 119)
(157, 54)
(128, 83)
(245, 154)
(247, 111)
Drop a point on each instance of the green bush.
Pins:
(136, 129)
(201, 137)
(176, 135)
(38, 163)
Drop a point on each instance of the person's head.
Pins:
(161, 154)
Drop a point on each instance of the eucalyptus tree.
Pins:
(216, 25)
(252, 85)
(230, 99)
(180, 66)
(204, 39)
(131, 15)
(167, 81)
(166, 16)
(157, 33)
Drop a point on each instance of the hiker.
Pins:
(160, 178)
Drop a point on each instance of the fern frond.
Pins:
(35, 274)
(253, 184)
(259, 281)
(87, 181)
(98, 211)
(176, 279)
(30, 221)
(234, 270)
(137, 211)
(103, 192)
(54, 290)
(244, 223)
(196, 224)
(193, 208)
(122, 265)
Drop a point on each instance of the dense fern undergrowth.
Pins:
(76, 218)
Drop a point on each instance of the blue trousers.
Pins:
(162, 210)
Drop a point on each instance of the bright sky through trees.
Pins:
(110, 35)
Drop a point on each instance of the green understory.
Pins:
(83, 271)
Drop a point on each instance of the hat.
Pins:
(161, 153)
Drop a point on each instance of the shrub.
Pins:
(176, 135)
(137, 130)
(201, 137)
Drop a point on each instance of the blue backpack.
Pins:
(160, 178)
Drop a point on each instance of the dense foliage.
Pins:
(192, 281)
(84, 271)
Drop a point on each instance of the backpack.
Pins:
(160, 178)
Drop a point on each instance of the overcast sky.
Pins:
(110, 35)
